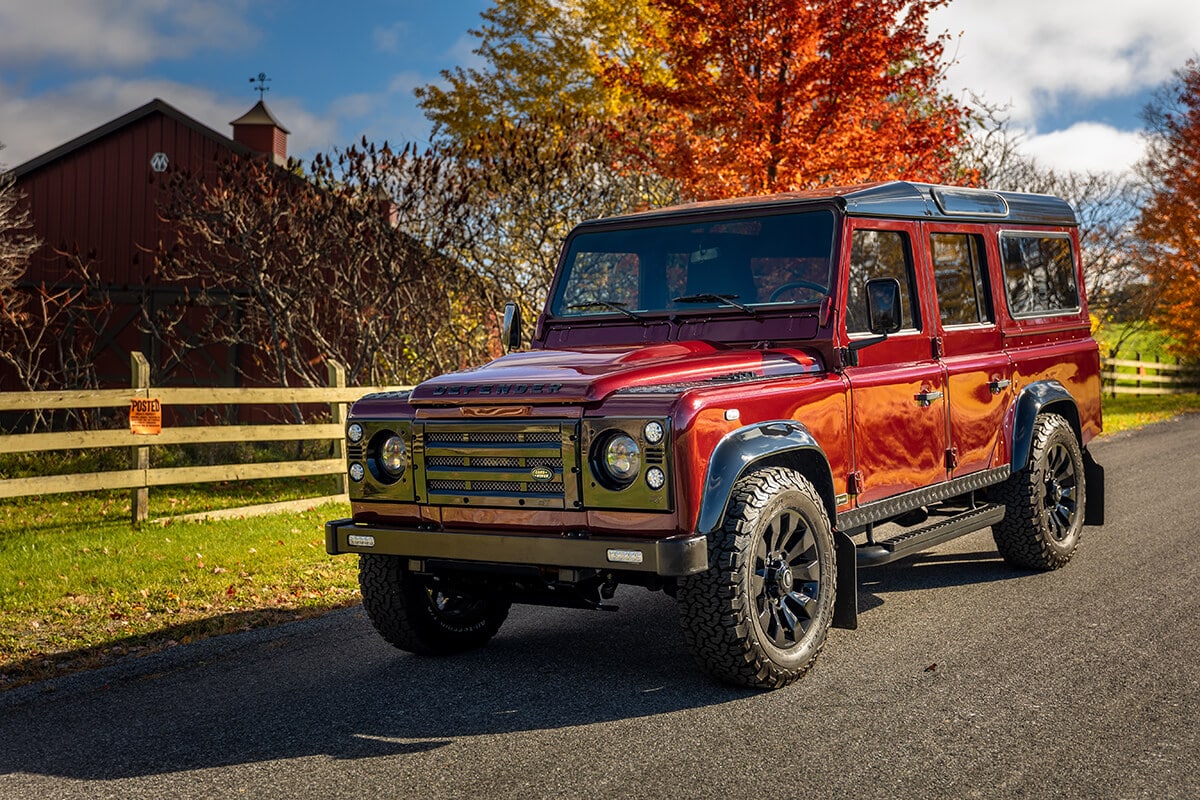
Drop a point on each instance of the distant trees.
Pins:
(1169, 223)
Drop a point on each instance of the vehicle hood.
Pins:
(590, 374)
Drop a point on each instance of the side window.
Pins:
(1039, 273)
(880, 254)
(958, 269)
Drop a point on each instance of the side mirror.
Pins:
(510, 333)
(884, 305)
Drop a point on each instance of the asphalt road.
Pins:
(965, 679)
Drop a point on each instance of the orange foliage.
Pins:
(774, 95)
(1170, 221)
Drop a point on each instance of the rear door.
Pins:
(979, 371)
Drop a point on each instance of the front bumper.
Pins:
(674, 556)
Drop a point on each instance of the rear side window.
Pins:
(960, 277)
(1039, 274)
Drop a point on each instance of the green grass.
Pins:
(1127, 412)
(80, 585)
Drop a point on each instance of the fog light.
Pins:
(357, 472)
(359, 540)
(655, 478)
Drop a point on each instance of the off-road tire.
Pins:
(412, 614)
(1045, 501)
(748, 620)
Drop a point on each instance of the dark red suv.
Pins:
(740, 403)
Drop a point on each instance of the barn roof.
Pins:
(155, 106)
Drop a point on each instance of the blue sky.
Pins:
(1074, 73)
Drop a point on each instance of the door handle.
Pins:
(997, 386)
(925, 399)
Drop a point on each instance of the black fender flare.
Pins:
(781, 442)
(741, 449)
(1033, 400)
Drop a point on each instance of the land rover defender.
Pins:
(741, 403)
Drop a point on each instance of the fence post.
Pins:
(140, 456)
(337, 414)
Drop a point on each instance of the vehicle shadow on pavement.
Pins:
(932, 570)
(332, 687)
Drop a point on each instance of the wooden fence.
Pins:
(141, 476)
(1133, 376)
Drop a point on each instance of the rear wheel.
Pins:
(760, 614)
(413, 613)
(1044, 502)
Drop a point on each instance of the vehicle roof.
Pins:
(893, 200)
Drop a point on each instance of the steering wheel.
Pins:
(816, 287)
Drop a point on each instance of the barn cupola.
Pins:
(260, 131)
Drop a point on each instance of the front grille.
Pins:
(527, 463)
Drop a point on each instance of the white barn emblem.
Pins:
(158, 162)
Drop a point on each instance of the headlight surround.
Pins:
(617, 459)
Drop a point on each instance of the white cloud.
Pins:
(1087, 147)
(117, 33)
(1034, 52)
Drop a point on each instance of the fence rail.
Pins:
(141, 477)
(1137, 377)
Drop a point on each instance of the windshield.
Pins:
(743, 263)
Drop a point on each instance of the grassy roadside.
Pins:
(80, 587)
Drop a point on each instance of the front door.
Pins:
(898, 390)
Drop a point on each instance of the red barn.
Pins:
(96, 196)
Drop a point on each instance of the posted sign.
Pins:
(145, 415)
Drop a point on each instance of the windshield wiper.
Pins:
(609, 304)
(731, 299)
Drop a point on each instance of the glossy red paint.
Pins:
(933, 402)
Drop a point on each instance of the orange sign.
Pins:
(145, 415)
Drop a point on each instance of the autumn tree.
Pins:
(540, 60)
(1170, 219)
(770, 95)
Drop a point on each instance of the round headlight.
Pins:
(393, 456)
(354, 433)
(619, 459)
(357, 473)
(653, 432)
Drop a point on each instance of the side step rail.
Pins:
(914, 541)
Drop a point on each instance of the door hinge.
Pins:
(951, 458)
(938, 349)
(854, 482)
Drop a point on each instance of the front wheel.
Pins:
(413, 613)
(759, 615)
(1044, 502)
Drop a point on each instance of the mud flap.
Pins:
(1093, 475)
(845, 605)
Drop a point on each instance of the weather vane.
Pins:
(262, 87)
